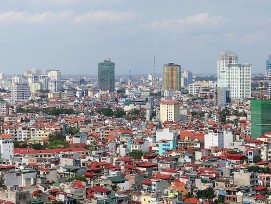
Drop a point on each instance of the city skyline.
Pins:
(75, 35)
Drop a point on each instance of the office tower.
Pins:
(2, 76)
(238, 78)
(44, 80)
(20, 92)
(187, 78)
(106, 76)
(260, 117)
(54, 75)
(172, 75)
(19, 79)
(222, 96)
(225, 58)
(268, 73)
(170, 111)
(36, 72)
(54, 84)
(233, 75)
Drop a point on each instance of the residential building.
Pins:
(6, 146)
(213, 139)
(54, 84)
(187, 78)
(80, 137)
(170, 111)
(166, 134)
(268, 73)
(166, 145)
(233, 75)
(172, 75)
(34, 87)
(224, 59)
(222, 96)
(20, 92)
(44, 80)
(238, 78)
(3, 108)
(106, 76)
(54, 75)
(194, 88)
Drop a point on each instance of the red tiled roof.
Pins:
(124, 159)
(147, 182)
(260, 188)
(191, 200)
(78, 184)
(146, 164)
(100, 189)
(162, 176)
(23, 151)
(89, 174)
(260, 197)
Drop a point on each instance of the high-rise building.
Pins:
(44, 80)
(20, 92)
(238, 78)
(224, 59)
(172, 75)
(260, 117)
(235, 76)
(106, 76)
(54, 75)
(222, 96)
(54, 84)
(170, 111)
(268, 73)
(187, 78)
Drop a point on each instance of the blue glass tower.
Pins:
(106, 76)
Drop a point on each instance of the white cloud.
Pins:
(190, 22)
(23, 17)
(256, 38)
(103, 16)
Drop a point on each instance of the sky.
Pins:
(75, 35)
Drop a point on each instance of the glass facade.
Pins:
(260, 117)
(106, 76)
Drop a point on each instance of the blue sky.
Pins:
(74, 35)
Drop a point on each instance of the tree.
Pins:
(136, 154)
(119, 113)
(221, 199)
(189, 195)
(73, 130)
(257, 159)
(58, 111)
(57, 144)
(134, 112)
(18, 144)
(38, 146)
(207, 193)
(77, 177)
(56, 136)
(108, 112)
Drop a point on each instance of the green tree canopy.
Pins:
(136, 154)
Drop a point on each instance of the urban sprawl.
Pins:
(171, 139)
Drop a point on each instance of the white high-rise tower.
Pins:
(225, 58)
(232, 75)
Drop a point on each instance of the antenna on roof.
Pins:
(153, 78)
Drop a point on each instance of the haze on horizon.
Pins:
(74, 35)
